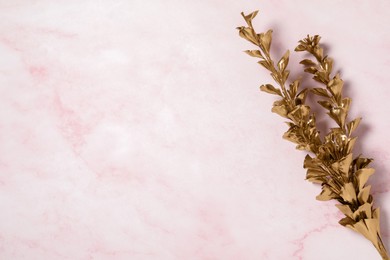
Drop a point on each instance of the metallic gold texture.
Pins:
(330, 161)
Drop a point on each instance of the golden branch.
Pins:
(342, 177)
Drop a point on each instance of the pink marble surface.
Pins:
(136, 130)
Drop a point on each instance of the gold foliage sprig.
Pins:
(342, 176)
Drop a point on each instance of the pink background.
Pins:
(135, 130)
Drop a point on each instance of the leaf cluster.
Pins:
(331, 163)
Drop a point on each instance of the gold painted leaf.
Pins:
(283, 62)
(343, 165)
(292, 136)
(319, 52)
(362, 176)
(312, 163)
(351, 126)
(270, 89)
(316, 176)
(279, 102)
(373, 228)
(326, 104)
(265, 40)
(308, 62)
(254, 53)
(316, 39)
(368, 228)
(336, 85)
(372, 224)
(280, 110)
(275, 77)
(326, 194)
(309, 162)
(311, 70)
(321, 76)
(362, 162)
(265, 64)
(347, 222)
(339, 114)
(345, 209)
(301, 97)
(346, 103)
(300, 47)
(294, 88)
(302, 147)
(248, 34)
(348, 192)
(351, 144)
(328, 64)
(248, 18)
(364, 194)
(320, 92)
(364, 211)
(300, 113)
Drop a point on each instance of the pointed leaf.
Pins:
(373, 227)
(248, 18)
(275, 77)
(351, 126)
(346, 103)
(336, 85)
(291, 135)
(364, 211)
(280, 110)
(294, 88)
(319, 52)
(308, 62)
(328, 65)
(362, 162)
(316, 176)
(368, 228)
(311, 70)
(363, 229)
(254, 53)
(347, 211)
(347, 222)
(320, 92)
(362, 176)
(301, 97)
(309, 162)
(248, 34)
(299, 113)
(326, 194)
(270, 89)
(364, 194)
(351, 144)
(265, 64)
(300, 47)
(316, 39)
(348, 192)
(343, 165)
(339, 115)
(283, 62)
(265, 40)
(326, 104)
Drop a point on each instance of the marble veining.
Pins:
(136, 130)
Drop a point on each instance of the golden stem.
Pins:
(381, 249)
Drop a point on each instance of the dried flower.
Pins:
(331, 163)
